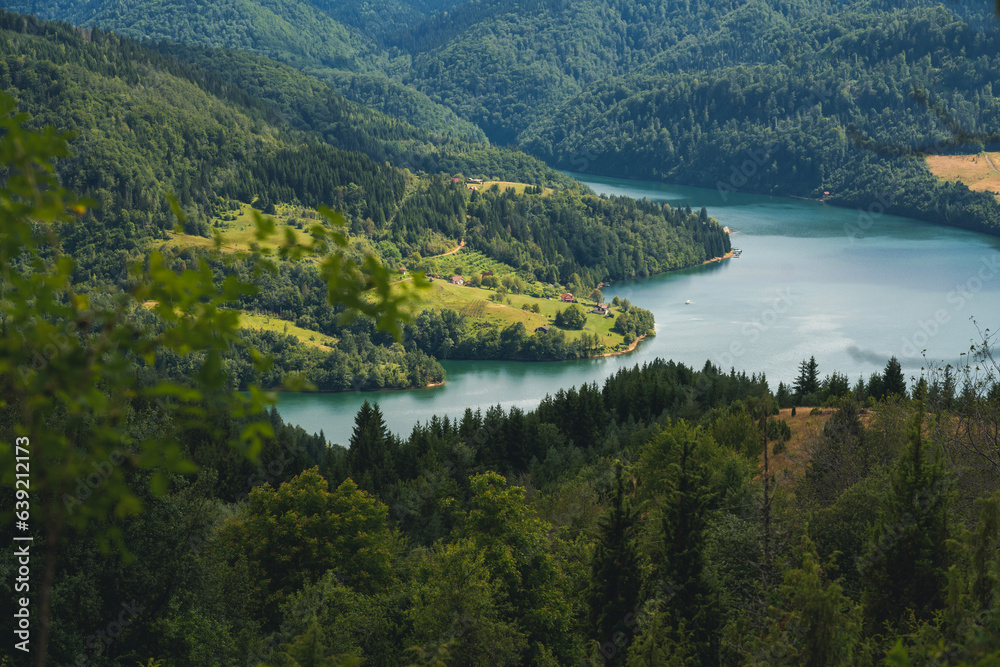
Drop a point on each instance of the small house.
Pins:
(542, 329)
(457, 280)
(600, 309)
(567, 297)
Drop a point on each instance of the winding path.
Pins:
(987, 156)
(452, 251)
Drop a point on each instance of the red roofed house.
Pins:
(457, 280)
(567, 297)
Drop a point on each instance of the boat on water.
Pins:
(687, 302)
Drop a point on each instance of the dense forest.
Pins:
(853, 116)
(669, 515)
(151, 130)
(288, 31)
(210, 138)
(800, 98)
(645, 521)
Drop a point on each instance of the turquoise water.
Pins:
(851, 287)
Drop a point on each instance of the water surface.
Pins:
(850, 287)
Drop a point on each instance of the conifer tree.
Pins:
(843, 456)
(904, 566)
(370, 456)
(615, 575)
(783, 396)
(681, 563)
(816, 623)
(808, 380)
(893, 382)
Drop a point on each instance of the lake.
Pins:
(850, 287)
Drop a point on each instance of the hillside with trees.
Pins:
(795, 98)
(852, 116)
(155, 137)
(655, 518)
(288, 31)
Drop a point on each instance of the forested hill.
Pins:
(315, 106)
(818, 96)
(148, 128)
(852, 115)
(796, 98)
(288, 31)
(147, 124)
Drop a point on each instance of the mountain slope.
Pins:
(146, 125)
(315, 106)
(852, 118)
(288, 31)
(149, 126)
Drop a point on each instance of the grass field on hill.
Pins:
(238, 232)
(979, 172)
(790, 465)
(475, 303)
(503, 185)
(269, 323)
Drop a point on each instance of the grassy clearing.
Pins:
(306, 336)
(974, 171)
(474, 303)
(238, 229)
(790, 465)
(518, 187)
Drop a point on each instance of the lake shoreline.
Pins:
(803, 286)
(631, 348)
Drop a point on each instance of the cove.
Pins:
(850, 287)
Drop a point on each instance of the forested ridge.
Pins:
(150, 129)
(795, 98)
(288, 31)
(314, 106)
(854, 117)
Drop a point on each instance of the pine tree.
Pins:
(783, 396)
(904, 567)
(816, 624)
(615, 575)
(893, 381)
(876, 386)
(843, 457)
(682, 566)
(369, 458)
(808, 380)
